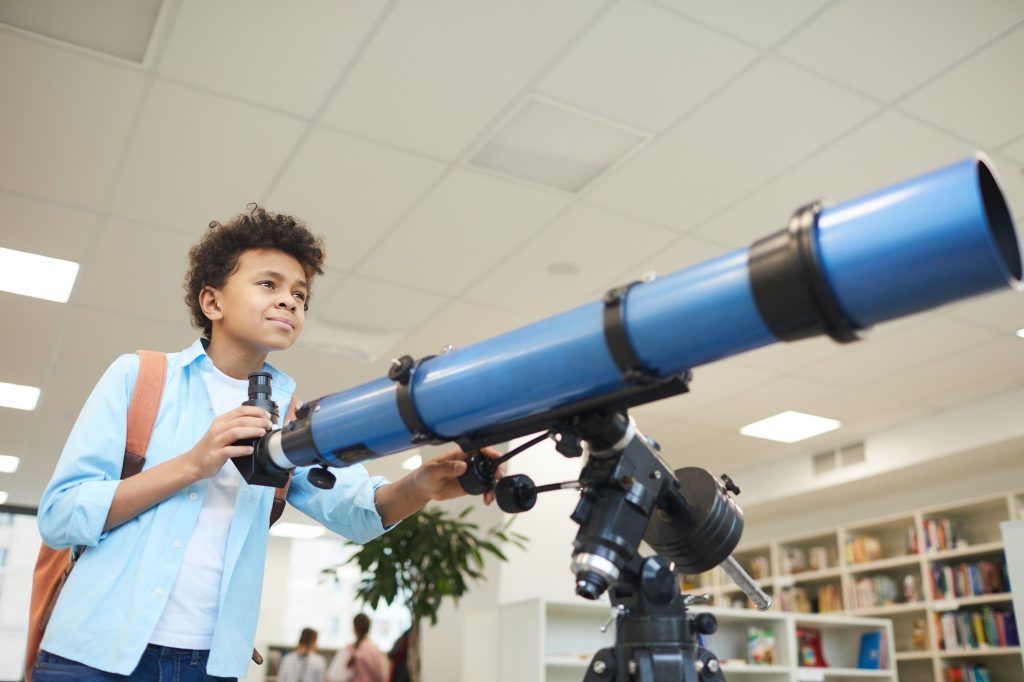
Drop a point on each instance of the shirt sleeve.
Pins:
(75, 503)
(349, 508)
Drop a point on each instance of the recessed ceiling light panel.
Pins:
(9, 464)
(555, 146)
(18, 397)
(29, 274)
(790, 427)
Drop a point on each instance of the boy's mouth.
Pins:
(283, 322)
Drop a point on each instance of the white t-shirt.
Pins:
(190, 614)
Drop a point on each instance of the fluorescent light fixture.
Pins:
(413, 462)
(9, 464)
(302, 531)
(1020, 333)
(118, 27)
(38, 276)
(555, 146)
(790, 427)
(18, 397)
(3, 497)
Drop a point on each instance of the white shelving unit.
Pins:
(553, 641)
(853, 581)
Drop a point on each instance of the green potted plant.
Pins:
(431, 555)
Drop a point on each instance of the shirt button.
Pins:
(176, 544)
(159, 591)
(193, 496)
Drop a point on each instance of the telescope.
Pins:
(834, 270)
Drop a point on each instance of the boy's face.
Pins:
(262, 304)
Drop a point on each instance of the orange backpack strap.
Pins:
(281, 493)
(142, 411)
(53, 566)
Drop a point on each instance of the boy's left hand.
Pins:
(438, 478)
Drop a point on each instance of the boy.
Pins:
(171, 581)
(304, 664)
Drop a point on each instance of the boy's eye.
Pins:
(299, 296)
(266, 283)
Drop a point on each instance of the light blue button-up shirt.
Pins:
(116, 594)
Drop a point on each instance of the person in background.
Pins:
(304, 664)
(360, 661)
(399, 657)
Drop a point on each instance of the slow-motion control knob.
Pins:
(479, 476)
(516, 494)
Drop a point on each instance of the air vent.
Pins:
(838, 458)
(824, 462)
(555, 146)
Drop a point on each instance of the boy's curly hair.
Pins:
(215, 256)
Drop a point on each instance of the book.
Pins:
(760, 646)
(809, 640)
(870, 657)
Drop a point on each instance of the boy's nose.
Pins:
(287, 303)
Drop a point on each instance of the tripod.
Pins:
(655, 637)
(629, 494)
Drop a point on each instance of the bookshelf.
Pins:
(938, 574)
(553, 641)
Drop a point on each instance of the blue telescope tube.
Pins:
(934, 239)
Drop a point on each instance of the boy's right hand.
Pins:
(217, 445)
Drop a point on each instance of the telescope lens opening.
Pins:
(1000, 222)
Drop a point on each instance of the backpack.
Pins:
(53, 566)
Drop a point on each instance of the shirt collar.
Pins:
(196, 353)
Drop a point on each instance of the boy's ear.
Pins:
(210, 303)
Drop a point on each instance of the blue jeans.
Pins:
(158, 664)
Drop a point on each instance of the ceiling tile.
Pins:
(1001, 312)
(46, 229)
(93, 340)
(644, 65)
(372, 305)
(468, 223)
(351, 191)
(934, 383)
(971, 99)
(64, 120)
(873, 360)
(592, 241)
(731, 454)
(183, 171)
(711, 384)
(765, 400)
(682, 253)
(254, 50)
(412, 85)
(1015, 152)
(758, 22)
(686, 176)
(459, 324)
(32, 331)
(888, 48)
(320, 374)
(889, 148)
(137, 268)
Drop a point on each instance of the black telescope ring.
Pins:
(402, 371)
(789, 284)
(617, 339)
